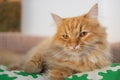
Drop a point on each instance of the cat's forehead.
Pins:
(78, 24)
(74, 23)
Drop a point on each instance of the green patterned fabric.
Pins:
(111, 72)
(19, 75)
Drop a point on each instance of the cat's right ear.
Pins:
(93, 13)
(56, 18)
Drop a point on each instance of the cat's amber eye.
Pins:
(65, 36)
(82, 34)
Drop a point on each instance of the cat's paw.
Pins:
(32, 67)
(59, 74)
(14, 67)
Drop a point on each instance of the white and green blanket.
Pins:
(111, 72)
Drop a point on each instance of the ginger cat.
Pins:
(79, 45)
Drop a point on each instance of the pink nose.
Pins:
(76, 47)
(73, 45)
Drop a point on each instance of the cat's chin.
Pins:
(75, 52)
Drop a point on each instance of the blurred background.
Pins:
(32, 17)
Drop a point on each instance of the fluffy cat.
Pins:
(79, 45)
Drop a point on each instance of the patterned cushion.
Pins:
(111, 72)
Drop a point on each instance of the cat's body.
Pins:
(79, 45)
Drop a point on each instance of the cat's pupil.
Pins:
(83, 34)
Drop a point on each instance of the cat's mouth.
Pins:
(76, 52)
(80, 51)
(73, 51)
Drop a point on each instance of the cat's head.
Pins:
(79, 34)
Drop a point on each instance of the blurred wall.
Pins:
(36, 14)
(109, 15)
(36, 18)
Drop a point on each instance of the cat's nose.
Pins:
(74, 46)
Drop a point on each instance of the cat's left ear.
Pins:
(93, 13)
(56, 18)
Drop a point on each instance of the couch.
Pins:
(18, 42)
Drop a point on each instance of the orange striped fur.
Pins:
(79, 45)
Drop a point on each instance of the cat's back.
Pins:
(41, 48)
(44, 44)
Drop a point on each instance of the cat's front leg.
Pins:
(34, 64)
(59, 73)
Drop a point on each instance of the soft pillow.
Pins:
(111, 72)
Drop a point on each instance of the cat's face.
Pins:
(79, 34)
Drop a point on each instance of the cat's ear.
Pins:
(93, 13)
(56, 18)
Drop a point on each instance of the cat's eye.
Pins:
(65, 36)
(83, 34)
